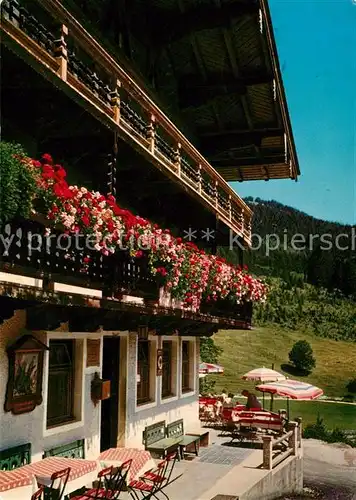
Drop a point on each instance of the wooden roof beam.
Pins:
(265, 173)
(251, 162)
(265, 132)
(175, 25)
(231, 141)
(193, 91)
(236, 70)
(201, 68)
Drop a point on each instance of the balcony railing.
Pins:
(58, 258)
(58, 262)
(78, 64)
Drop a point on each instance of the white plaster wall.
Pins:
(31, 427)
(182, 406)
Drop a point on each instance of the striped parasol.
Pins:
(292, 389)
(207, 368)
(264, 375)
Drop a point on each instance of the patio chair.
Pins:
(164, 470)
(122, 475)
(59, 481)
(111, 482)
(38, 495)
(155, 480)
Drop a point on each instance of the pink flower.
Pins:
(187, 271)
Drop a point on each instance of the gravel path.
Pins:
(329, 471)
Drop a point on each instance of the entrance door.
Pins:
(110, 407)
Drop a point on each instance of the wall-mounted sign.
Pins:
(24, 385)
(100, 389)
(159, 361)
(93, 352)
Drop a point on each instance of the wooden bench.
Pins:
(155, 440)
(15, 457)
(70, 450)
(175, 431)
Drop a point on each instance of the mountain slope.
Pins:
(292, 241)
(262, 346)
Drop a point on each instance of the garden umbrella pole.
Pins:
(291, 389)
(264, 375)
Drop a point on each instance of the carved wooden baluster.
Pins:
(199, 178)
(177, 159)
(95, 83)
(11, 11)
(216, 194)
(242, 220)
(115, 101)
(60, 51)
(229, 207)
(112, 169)
(151, 129)
(248, 227)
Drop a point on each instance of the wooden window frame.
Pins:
(186, 367)
(167, 370)
(60, 369)
(144, 372)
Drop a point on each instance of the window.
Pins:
(143, 371)
(60, 408)
(185, 366)
(167, 369)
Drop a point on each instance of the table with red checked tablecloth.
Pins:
(15, 485)
(82, 472)
(141, 460)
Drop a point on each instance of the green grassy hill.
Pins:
(313, 297)
(335, 366)
(245, 350)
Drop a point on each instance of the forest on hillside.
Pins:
(298, 305)
(311, 289)
(327, 259)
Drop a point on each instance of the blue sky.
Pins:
(316, 42)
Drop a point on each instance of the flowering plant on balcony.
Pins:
(17, 185)
(185, 271)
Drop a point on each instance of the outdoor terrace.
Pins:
(220, 472)
(228, 471)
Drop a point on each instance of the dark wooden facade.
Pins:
(214, 64)
(122, 120)
(65, 94)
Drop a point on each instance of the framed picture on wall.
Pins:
(24, 385)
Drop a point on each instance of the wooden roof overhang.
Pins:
(218, 59)
(46, 310)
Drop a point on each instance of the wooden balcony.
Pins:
(62, 270)
(51, 40)
(57, 261)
